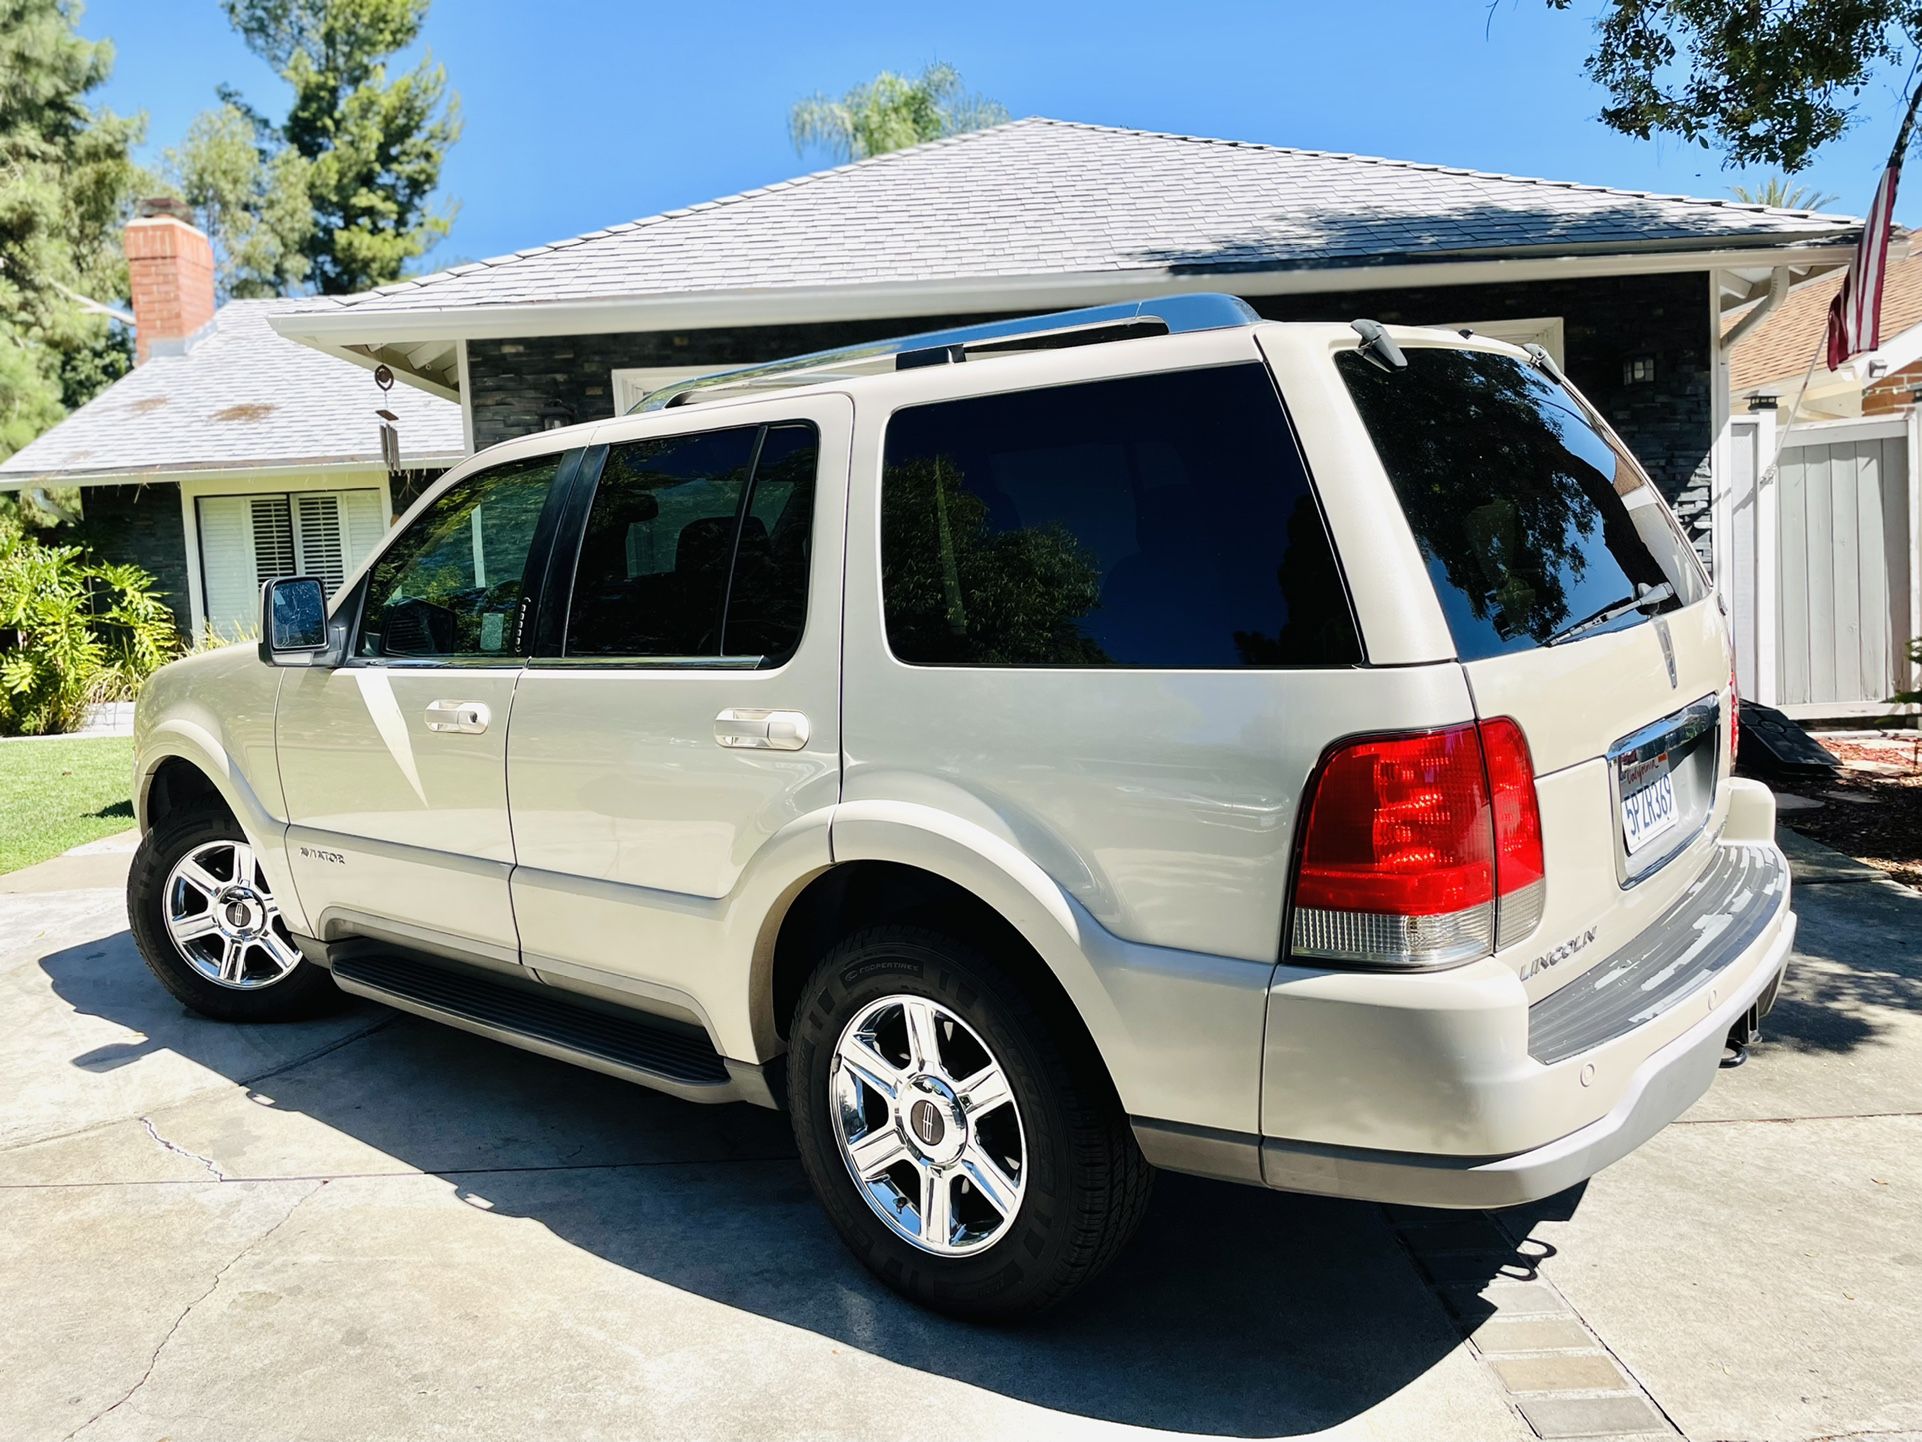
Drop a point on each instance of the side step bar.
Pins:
(652, 1051)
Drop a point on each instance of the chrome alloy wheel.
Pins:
(927, 1126)
(224, 921)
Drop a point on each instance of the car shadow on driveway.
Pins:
(1235, 1312)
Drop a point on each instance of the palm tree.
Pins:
(1777, 191)
(890, 112)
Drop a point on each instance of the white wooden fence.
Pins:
(1820, 563)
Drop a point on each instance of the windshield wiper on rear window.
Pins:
(1651, 596)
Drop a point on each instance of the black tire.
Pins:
(1085, 1183)
(305, 992)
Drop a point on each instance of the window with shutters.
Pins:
(246, 541)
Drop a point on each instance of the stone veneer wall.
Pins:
(140, 525)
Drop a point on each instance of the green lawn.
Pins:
(60, 792)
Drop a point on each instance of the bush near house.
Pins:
(73, 630)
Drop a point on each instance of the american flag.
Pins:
(1855, 315)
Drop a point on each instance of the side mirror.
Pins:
(293, 623)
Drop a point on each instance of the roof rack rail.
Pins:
(1166, 315)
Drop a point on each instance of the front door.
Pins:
(689, 712)
(394, 764)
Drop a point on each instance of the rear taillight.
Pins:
(1420, 850)
(1520, 885)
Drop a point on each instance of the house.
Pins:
(1627, 290)
(228, 455)
(1779, 364)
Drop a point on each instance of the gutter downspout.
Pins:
(1777, 291)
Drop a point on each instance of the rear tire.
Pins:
(999, 1173)
(208, 927)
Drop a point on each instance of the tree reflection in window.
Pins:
(960, 594)
(1529, 519)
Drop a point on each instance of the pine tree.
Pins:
(66, 181)
(340, 194)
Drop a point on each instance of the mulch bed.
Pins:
(1871, 814)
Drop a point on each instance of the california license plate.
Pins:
(1648, 809)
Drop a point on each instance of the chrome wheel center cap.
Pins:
(936, 1125)
(239, 913)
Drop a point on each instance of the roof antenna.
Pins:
(1378, 346)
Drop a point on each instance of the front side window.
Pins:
(451, 586)
(1534, 526)
(1158, 521)
(697, 546)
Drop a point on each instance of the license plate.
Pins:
(1649, 809)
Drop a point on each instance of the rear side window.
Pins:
(697, 546)
(1158, 521)
(1534, 527)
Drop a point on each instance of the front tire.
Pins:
(208, 926)
(972, 1155)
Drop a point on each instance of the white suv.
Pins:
(1031, 755)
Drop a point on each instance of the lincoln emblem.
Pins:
(925, 1118)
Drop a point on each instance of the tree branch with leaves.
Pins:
(1763, 82)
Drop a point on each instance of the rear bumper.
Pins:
(1450, 1089)
(1661, 1089)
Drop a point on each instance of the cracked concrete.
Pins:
(376, 1228)
(208, 1162)
(154, 1360)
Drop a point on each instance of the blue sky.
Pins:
(579, 115)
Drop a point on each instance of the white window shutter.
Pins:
(323, 544)
(273, 538)
(232, 549)
(365, 526)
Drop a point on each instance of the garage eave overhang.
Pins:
(423, 344)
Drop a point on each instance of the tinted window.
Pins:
(451, 585)
(698, 546)
(1531, 522)
(1156, 521)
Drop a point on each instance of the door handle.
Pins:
(467, 717)
(750, 728)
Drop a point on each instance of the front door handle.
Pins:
(751, 728)
(467, 717)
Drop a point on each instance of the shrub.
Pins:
(73, 630)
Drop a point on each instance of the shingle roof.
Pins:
(1049, 197)
(1781, 347)
(240, 397)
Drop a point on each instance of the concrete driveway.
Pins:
(375, 1228)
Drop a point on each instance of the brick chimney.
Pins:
(170, 270)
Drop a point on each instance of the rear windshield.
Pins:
(1533, 525)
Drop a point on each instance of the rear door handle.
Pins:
(468, 717)
(749, 728)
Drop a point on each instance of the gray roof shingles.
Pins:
(241, 397)
(1040, 197)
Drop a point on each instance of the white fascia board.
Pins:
(1901, 352)
(335, 331)
(265, 470)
